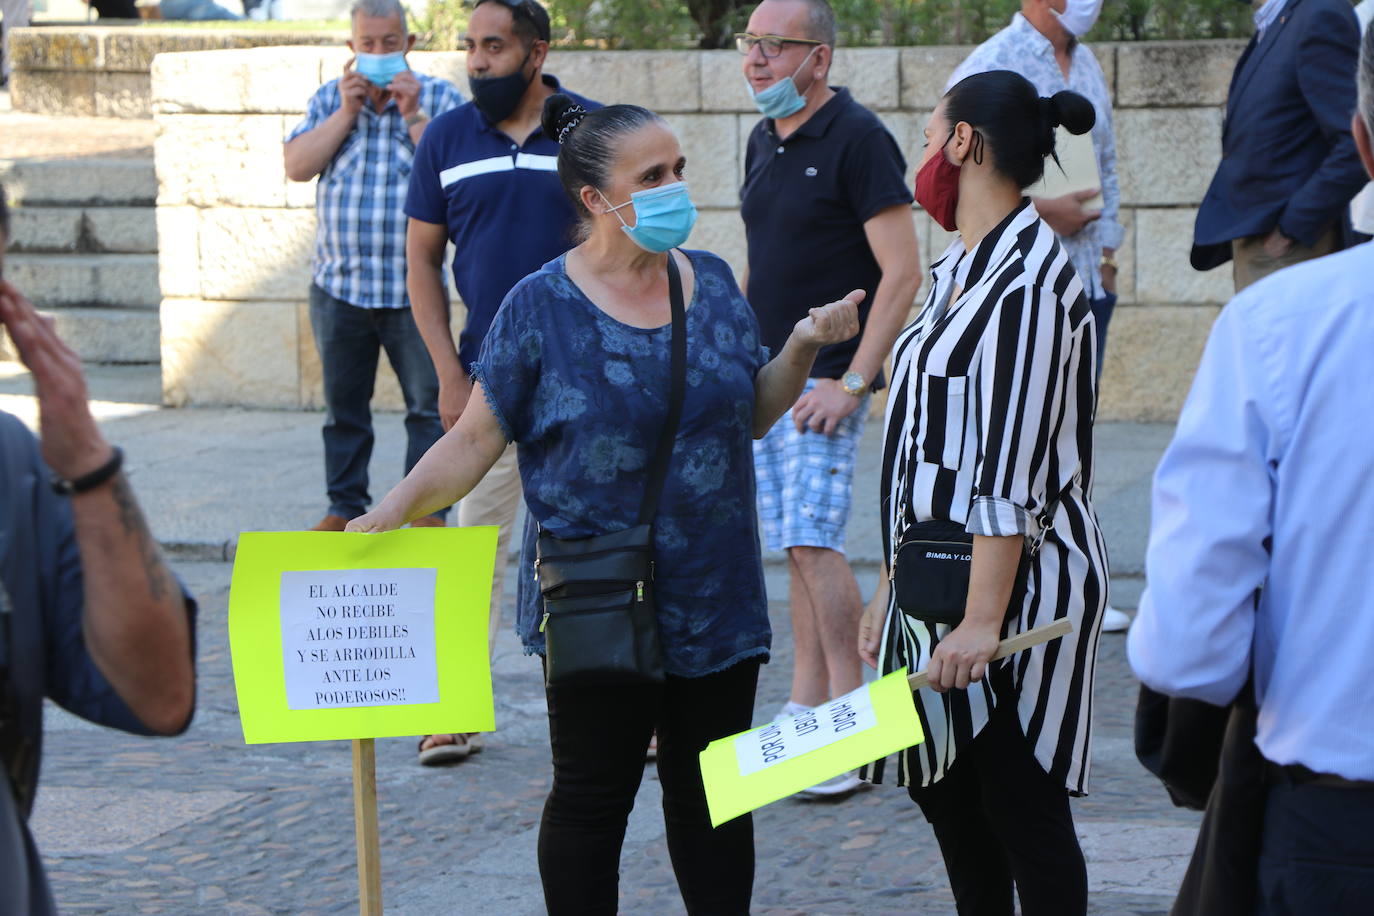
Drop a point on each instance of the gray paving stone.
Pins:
(199, 458)
(215, 826)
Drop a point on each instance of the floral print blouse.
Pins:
(584, 398)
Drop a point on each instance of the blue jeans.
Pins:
(349, 339)
(1102, 312)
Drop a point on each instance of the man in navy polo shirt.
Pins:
(824, 196)
(485, 177)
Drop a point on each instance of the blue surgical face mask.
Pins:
(381, 69)
(664, 217)
(782, 99)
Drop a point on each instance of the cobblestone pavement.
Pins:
(202, 823)
(205, 824)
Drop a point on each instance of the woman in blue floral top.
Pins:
(575, 371)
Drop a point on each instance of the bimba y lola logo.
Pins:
(944, 555)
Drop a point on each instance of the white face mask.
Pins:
(1080, 16)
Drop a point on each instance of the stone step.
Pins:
(69, 280)
(75, 181)
(105, 335)
(126, 230)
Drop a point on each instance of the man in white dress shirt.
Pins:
(1042, 44)
(1362, 207)
(1268, 484)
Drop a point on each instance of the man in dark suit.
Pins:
(1289, 167)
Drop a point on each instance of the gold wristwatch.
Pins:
(853, 383)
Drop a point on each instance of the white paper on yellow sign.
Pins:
(341, 636)
(760, 766)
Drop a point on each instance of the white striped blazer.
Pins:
(989, 418)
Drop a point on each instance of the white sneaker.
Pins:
(790, 709)
(1114, 621)
(834, 787)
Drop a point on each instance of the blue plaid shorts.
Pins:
(806, 481)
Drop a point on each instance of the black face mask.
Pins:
(496, 97)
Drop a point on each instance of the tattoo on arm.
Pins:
(132, 521)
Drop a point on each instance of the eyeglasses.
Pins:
(770, 45)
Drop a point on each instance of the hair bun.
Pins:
(1070, 110)
(560, 116)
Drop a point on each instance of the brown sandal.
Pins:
(455, 749)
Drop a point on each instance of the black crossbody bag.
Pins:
(600, 621)
(930, 569)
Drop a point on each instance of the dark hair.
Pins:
(587, 140)
(529, 20)
(1017, 124)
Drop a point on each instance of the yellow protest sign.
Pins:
(342, 636)
(753, 769)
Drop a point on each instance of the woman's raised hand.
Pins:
(832, 323)
(375, 522)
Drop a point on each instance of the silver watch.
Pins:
(853, 383)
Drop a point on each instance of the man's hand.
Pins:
(823, 407)
(1276, 244)
(353, 89)
(405, 89)
(453, 400)
(826, 404)
(1108, 274)
(72, 443)
(962, 657)
(1065, 214)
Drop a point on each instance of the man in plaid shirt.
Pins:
(359, 136)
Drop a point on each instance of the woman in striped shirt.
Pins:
(989, 426)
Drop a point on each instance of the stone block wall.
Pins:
(236, 236)
(103, 71)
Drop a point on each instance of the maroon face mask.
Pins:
(937, 189)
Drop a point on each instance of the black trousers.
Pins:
(599, 736)
(1317, 853)
(1002, 821)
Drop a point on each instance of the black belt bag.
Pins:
(930, 570)
(931, 573)
(600, 622)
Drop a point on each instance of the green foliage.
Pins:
(1140, 20)
(622, 24)
(631, 24)
(441, 26)
(965, 22)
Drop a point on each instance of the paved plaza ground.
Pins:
(203, 823)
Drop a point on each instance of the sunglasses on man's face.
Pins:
(770, 45)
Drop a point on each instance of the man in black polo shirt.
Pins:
(485, 177)
(824, 202)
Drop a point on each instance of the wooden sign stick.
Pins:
(365, 827)
(1010, 646)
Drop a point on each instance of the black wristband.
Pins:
(63, 487)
